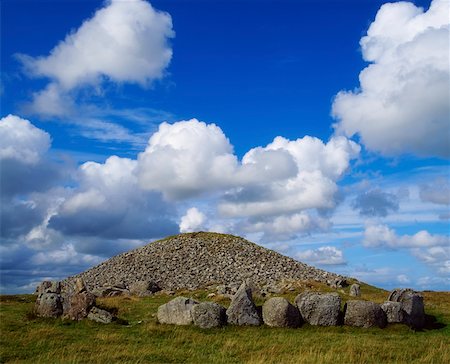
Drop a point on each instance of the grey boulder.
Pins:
(364, 314)
(412, 305)
(321, 309)
(48, 287)
(78, 301)
(278, 312)
(355, 290)
(144, 288)
(394, 312)
(98, 315)
(48, 305)
(177, 311)
(208, 315)
(242, 310)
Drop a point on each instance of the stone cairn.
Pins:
(403, 306)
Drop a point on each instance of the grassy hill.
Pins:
(26, 338)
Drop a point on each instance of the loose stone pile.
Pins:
(70, 301)
(196, 260)
(314, 308)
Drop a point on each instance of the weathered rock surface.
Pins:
(176, 311)
(48, 287)
(394, 312)
(355, 290)
(242, 310)
(364, 314)
(322, 309)
(144, 288)
(412, 305)
(200, 259)
(98, 315)
(48, 305)
(77, 300)
(278, 312)
(209, 314)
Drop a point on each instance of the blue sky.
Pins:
(315, 128)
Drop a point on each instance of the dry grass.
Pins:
(27, 339)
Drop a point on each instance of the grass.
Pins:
(25, 338)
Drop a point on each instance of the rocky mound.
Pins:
(196, 260)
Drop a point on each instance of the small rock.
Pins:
(177, 311)
(98, 315)
(364, 314)
(209, 314)
(355, 290)
(144, 288)
(278, 312)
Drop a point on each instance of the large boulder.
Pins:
(242, 310)
(355, 290)
(144, 288)
(322, 309)
(394, 312)
(278, 312)
(98, 315)
(48, 305)
(177, 311)
(412, 305)
(77, 301)
(48, 287)
(364, 314)
(209, 314)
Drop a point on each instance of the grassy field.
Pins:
(25, 338)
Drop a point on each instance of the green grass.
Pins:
(26, 338)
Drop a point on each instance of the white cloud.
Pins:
(193, 220)
(189, 158)
(383, 236)
(437, 192)
(325, 255)
(284, 227)
(318, 167)
(22, 141)
(402, 104)
(403, 279)
(437, 256)
(125, 41)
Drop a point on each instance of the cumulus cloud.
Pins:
(325, 255)
(402, 103)
(188, 158)
(21, 141)
(383, 236)
(125, 41)
(109, 203)
(437, 256)
(437, 192)
(193, 220)
(284, 227)
(319, 166)
(375, 202)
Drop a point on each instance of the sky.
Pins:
(319, 129)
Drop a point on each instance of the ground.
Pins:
(138, 338)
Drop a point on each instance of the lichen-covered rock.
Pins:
(364, 314)
(322, 309)
(278, 312)
(48, 287)
(199, 260)
(144, 288)
(98, 315)
(176, 311)
(242, 310)
(412, 305)
(394, 312)
(77, 300)
(48, 305)
(208, 315)
(355, 290)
